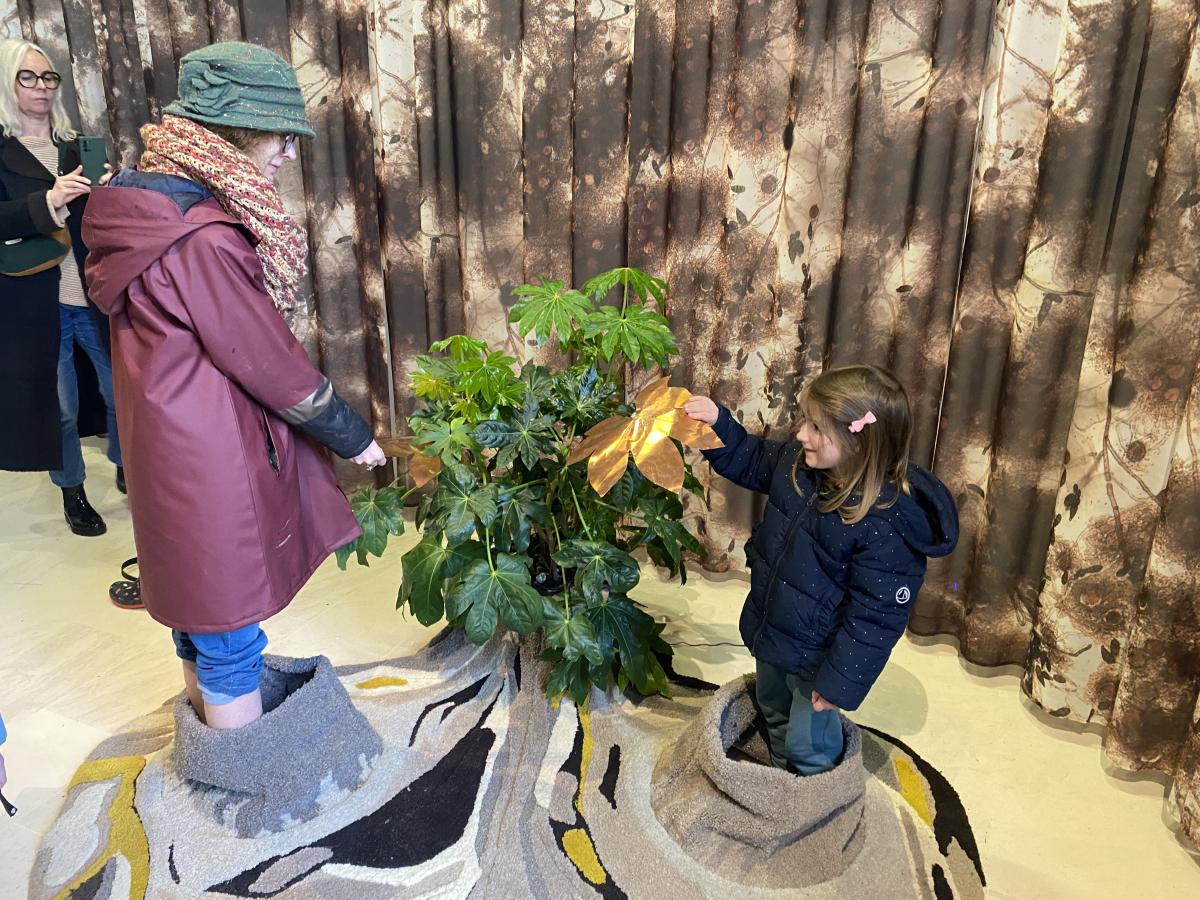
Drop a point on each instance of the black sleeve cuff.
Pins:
(339, 428)
(39, 213)
(724, 430)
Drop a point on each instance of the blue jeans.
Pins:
(227, 663)
(77, 326)
(801, 739)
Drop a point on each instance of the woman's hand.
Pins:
(68, 187)
(107, 176)
(701, 409)
(820, 704)
(371, 457)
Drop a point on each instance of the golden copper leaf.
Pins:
(396, 447)
(598, 436)
(421, 468)
(647, 434)
(608, 463)
(694, 433)
(656, 455)
(658, 399)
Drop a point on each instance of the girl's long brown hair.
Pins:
(875, 456)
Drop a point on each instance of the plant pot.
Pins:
(545, 574)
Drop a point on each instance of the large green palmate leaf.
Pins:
(489, 594)
(626, 490)
(664, 532)
(584, 397)
(640, 333)
(528, 434)
(445, 438)
(568, 676)
(462, 501)
(434, 379)
(520, 509)
(538, 381)
(598, 564)
(461, 347)
(491, 380)
(380, 514)
(642, 285)
(427, 567)
(617, 621)
(548, 308)
(571, 633)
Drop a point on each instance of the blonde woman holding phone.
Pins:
(54, 356)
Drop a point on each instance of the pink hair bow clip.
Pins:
(859, 424)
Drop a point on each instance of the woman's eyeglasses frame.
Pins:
(27, 78)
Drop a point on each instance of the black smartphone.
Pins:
(93, 154)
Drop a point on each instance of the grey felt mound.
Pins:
(310, 745)
(484, 789)
(751, 822)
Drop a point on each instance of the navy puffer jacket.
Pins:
(829, 601)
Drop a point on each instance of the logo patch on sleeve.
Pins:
(903, 595)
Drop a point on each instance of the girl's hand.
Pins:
(820, 704)
(68, 187)
(702, 409)
(107, 176)
(371, 457)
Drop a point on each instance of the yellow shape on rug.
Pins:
(381, 682)
(127, 836)
(582, 853)
(912, 789)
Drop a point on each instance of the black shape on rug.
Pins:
(608, 786)
(424, 819)
(466, 695)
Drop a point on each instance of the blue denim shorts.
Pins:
(227, 663)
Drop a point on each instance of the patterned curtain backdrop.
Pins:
(996, 200)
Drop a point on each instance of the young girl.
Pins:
(838, 558)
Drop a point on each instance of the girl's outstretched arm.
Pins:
(745, 460)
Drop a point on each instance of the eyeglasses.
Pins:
(289, 141)
(28, 78)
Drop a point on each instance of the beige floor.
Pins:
(1051, 822)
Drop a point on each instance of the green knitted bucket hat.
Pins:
(242, 86)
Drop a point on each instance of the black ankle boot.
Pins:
(121, 480)
(79, 513)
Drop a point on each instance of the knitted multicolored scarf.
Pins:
(187, 149)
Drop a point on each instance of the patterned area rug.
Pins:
(483, 789)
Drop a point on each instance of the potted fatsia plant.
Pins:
(544, 480)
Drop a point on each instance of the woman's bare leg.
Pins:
(193, 688)
(238, 712)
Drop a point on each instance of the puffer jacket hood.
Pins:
(925, 518)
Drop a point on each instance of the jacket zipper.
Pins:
(787, 543)
(272, 453)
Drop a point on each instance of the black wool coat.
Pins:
(30, 423)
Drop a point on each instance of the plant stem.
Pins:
(563, 572)
(487, 545)
(582, 520)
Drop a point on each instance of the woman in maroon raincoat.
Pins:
(221, 413)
